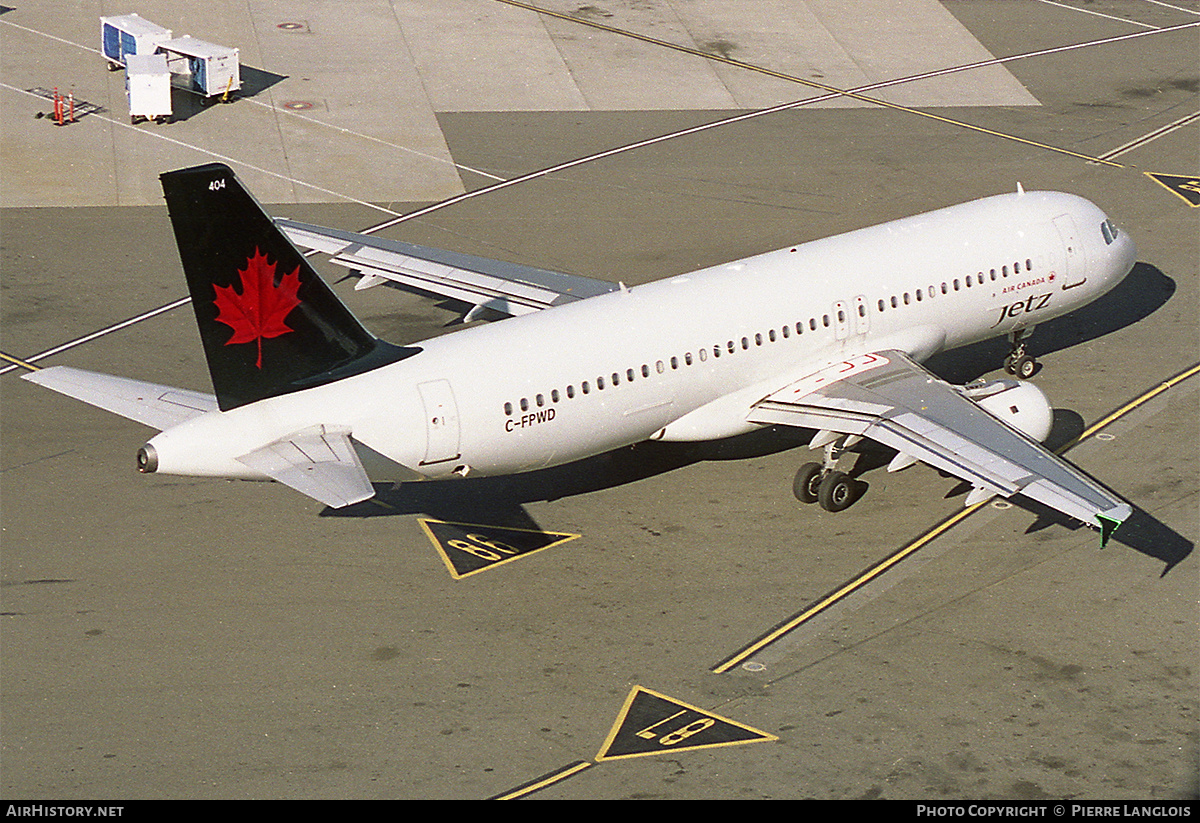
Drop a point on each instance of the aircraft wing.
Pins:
(319, 462)
(889, 398)
(507, 288)
(159, 407)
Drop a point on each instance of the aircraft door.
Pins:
(862, 317)
(841, 320)
(851, 317)
(441, 422)
(1075, 265)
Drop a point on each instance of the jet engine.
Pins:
(1018, 403)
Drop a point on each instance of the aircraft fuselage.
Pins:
(684, 358)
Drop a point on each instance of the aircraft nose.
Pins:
(1125, 252)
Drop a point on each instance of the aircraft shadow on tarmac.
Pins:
(499, 501)
(1143, 291)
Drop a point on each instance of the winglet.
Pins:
(1108, 525)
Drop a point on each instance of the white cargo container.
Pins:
(204, 68)
(148, 87)
(126, 34)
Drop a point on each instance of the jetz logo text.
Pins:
(1032, 303)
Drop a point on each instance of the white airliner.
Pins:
(825, 336)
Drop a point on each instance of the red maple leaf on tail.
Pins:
(262, 306)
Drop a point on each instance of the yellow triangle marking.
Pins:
(651, 723)
(470, 548)
(1183, 186)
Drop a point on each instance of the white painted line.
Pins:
(345, 131)
(759, 113)
(351, 133)
(102, 332)
(1097, 14)
(1150, 136)
(1176, 8)
(221, 157)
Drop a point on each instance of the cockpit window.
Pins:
(1109, 230)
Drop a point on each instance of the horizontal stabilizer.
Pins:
(159, 407)
(319, 462)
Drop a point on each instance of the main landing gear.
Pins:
(823, 483)
(1019, 361)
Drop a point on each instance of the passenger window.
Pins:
(570, 392)
(600, 383)
(629, 374)
(660, 367)
(541, 401)
(508, 409)
(616, 378)
(524, 404)
(554, 395)
(585, 388)
(704, 354)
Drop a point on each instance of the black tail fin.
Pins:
(269, 324)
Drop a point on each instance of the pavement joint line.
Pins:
(856, 93)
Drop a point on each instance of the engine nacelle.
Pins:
(1018, 403)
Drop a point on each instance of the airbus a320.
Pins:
(826, 336)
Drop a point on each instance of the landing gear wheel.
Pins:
(807, 483)
(837, 491)
(1019, 361)
(1021, 365)
(1024, 367)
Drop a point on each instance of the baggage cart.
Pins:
(148, 87)
(125, 34)
(203, 68)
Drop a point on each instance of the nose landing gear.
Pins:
(1019, 361)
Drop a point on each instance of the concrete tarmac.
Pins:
(176, 638)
